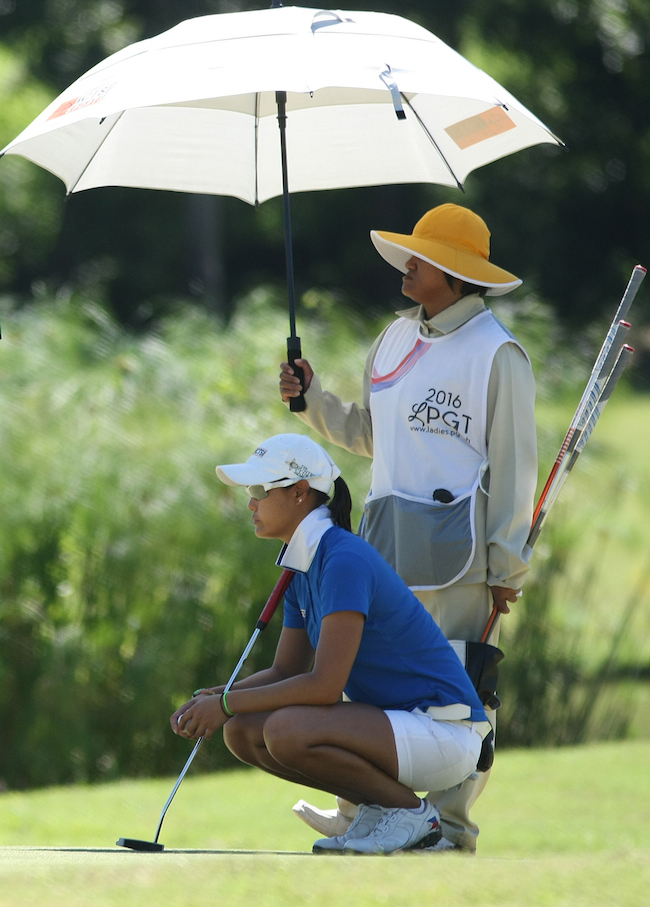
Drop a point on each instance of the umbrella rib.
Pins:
(94, 154)
(433, 141)
(257, 141)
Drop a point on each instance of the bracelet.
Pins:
(203, 690)
(224, 705)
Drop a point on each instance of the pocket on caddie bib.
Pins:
(428, 545)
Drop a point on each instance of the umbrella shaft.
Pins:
(281, 100)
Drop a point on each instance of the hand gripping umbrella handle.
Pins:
(296, 404)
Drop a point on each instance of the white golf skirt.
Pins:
(434, 755)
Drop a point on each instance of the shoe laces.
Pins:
(363, 809)
(389, 818)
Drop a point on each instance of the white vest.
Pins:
(429, 415)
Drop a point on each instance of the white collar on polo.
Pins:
(301, 550)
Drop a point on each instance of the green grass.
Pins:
(560, 827)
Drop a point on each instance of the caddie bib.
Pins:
(429, 414)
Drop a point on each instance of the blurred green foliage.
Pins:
(129, 576)
(565, 679)
(572, 223)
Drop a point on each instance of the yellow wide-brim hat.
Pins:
(453, 239)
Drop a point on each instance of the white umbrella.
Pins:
(370, 99)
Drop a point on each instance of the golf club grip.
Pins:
(621, 364)
(599, 387)
(275, 598)
(618, 341)
(296, 404)
(602, 367)
(615, 336)
(638, 273)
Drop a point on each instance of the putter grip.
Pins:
(296, 404)
(275, 598)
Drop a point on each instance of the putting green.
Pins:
(80, 878)
(560, 828)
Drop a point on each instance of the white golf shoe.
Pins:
(362, 824)
(330, 822)
(399, 829)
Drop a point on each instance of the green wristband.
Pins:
(224, 706)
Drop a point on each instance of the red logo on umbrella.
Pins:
(85, 100)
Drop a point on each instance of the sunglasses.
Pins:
(259, 492)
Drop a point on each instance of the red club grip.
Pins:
(275, 598)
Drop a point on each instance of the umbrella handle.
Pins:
(296, 404)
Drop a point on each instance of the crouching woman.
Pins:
(413, 721)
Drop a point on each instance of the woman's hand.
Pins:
(290, 386)
(200, 717)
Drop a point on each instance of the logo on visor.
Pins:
(301, 471)
(260, 452)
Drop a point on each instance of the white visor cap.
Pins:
(283, 457)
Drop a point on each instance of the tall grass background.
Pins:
(129, 575)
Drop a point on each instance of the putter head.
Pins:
(134, 844)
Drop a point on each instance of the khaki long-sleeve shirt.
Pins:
(503, 517)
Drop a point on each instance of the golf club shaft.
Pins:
(636, 278)
(579, 442)
(610, 363)
(589, 402)
(267, 613)
(197, 746)
(604, 362)
(602, 367)
(556, 479)
(608, 355)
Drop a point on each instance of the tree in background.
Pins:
(572, 223)
(583, 67)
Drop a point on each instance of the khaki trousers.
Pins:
(461, 612)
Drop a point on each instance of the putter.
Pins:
(267, 613)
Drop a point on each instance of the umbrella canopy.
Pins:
(361, 99)
(194, 109)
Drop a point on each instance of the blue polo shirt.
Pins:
(404, 661)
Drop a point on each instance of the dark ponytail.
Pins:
(340, 504)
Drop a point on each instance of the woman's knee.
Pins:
(242, 737)
(284, 734)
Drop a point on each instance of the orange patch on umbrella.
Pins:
(480, 127)
(63, 108)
